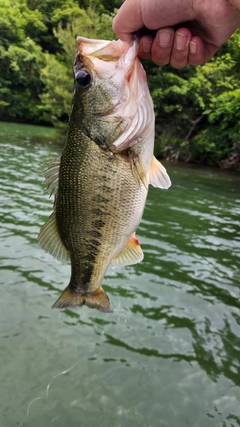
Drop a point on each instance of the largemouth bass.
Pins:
(100, 183)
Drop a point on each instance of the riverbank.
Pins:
(56, 135)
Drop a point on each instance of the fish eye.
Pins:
(83, 78)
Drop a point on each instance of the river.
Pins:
(169, 355)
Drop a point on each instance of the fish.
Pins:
(100, 182)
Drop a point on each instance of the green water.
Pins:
(169, 355)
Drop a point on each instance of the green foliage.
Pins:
(88, 24)
(21, 86)
(197, 109)
(57, 93)
(37, 50)
(57, 76)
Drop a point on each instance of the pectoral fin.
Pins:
(158, 176)
(138, 170)
(131, 254)
(50, 240)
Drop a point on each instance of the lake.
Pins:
(169, 355)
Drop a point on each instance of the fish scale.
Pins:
(85, 204)
(100, 184)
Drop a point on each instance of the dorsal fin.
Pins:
(51, 176)
(131, 254)
(50, 240)
(158, 175)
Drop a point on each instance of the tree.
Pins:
(197, 108)
(57, 75)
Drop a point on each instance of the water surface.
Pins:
(169, 355)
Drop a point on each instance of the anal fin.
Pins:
(131, 254)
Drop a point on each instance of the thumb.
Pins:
(128, 20)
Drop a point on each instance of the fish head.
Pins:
(111, 92)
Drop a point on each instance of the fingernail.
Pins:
(146, 46)
(165, 38)
(193, 47)
(181, 41)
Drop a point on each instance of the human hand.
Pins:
(177, 48)
(205, 26)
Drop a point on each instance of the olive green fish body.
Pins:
(100, 183)
(95, 194)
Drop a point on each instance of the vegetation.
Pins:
(197, 108)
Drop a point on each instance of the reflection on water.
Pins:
(169, 355)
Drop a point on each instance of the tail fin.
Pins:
(71, 298)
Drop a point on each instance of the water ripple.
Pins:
(169, 352)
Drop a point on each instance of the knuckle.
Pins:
(161, 60)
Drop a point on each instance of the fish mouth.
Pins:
(117, 54)
(101, 49)
(112, 49)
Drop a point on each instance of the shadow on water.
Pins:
(169, 354)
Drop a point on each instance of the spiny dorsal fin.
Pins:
(158, 176)
(50, 240)
(131, 254)
(51, 176)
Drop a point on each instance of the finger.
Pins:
(162, 46)
(180, 50)
(145, 47)
(134, 15)
(200, 52)
(128, 19)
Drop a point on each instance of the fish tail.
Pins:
(71, 298)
